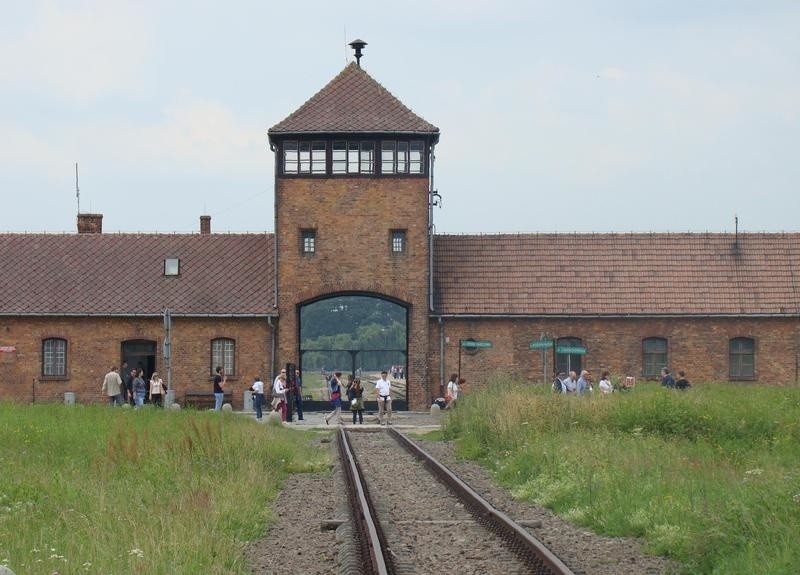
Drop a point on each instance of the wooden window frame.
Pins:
(739, 354)
(62, 374)
(220, 360)
(662, 361)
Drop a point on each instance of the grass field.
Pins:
(106, 490)
(710, 477)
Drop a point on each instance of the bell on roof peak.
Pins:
(358, 45)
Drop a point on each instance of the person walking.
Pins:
(127, 383)
(157, 390)
(139, 388)
(383, 389)
(666, 379)
(584, 384)
(452, 391)
(258, 396)
(357, 401)
(605, 384)
(571, 383)
(335, 387)
(298, 394)
(112, 387)
(220, 379)
(682, 383)
(279, 394)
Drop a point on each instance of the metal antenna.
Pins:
(77, 189)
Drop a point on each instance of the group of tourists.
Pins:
(130, 387)
(398, 372)
(287, 395)
(354, 392)
(583, 384)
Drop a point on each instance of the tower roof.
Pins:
(353, 102)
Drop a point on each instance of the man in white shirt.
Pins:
(383, 388)
(258, 396)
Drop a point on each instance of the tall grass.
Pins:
(91, 489)
(710, 477)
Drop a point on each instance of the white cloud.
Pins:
(80, 51)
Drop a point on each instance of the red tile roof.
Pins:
(353, 102)
(123, 274)
(617, 274)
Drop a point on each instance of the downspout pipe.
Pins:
(273, 148)
(441, 355)
(271, 373)
(431, 190)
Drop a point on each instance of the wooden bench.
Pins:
(203, 399)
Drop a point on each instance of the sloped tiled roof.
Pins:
(353, 102)
(617, 274)
(123, 274)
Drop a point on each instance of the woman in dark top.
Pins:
(357, 400)
(682, 382)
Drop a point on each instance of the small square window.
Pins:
(398, 239)
(172, 267)
(308, 241)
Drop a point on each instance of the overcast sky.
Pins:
(554, 116)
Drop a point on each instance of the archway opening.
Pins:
(358, 335)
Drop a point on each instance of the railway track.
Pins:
(406, 522)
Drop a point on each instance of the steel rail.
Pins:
(529, 549)
(372, 541)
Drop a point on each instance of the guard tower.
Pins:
(352, 209)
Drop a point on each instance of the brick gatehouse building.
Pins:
(723, 307)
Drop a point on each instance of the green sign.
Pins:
(474, 344)
(541, 344)
(571, 350)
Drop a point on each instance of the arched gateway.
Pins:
(352, 215)
(357, 334)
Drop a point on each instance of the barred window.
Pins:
(742, 358)
(654, 356)
(398, 241)
(308, 241)
(223, 352)
(54, 357)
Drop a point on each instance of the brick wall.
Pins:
(698, 346)
(353, 218)
(95, 344)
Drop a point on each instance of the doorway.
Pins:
(140, 354)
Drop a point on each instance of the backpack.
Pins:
(557, 386)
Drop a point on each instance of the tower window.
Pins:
(402, 157)
(318, 158)
(415, 163)
(303, 157)
(398, 241)
(339, 158)
(308, 241)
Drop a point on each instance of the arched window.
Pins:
(54, 357)
(742, 358)
(223, 352)
(654, 356)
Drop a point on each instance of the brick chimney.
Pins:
(90, 223)
(205, 225)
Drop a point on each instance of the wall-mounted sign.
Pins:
(8, 349)
(571, 350)
(541, 344)
(471, 344)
